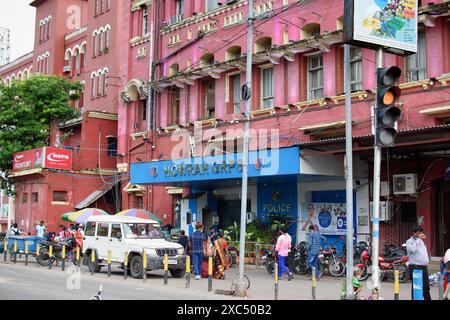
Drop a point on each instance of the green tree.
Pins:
(27, 109)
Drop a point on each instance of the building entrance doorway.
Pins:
(442, 219)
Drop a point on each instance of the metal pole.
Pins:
(248, 81)
(376, 202)
(314, 283)
(150, 77)
(276, 280)
(349, 169)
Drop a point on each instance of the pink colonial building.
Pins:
(77, 39)
(191, 111)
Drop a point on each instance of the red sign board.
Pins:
(43, 158)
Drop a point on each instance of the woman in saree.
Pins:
(220, 257)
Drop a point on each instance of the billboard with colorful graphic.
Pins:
(387, 23)
(328, 218)
(46, 157)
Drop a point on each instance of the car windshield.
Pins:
(142, 231)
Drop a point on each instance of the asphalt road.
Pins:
(18, 282)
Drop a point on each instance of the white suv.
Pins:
(131, 236)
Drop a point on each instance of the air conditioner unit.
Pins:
(386, 210)
(405, 183)
(67, 69)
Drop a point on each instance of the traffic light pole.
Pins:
(376, 202)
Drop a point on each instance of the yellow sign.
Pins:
(371, 23)
(409, 3)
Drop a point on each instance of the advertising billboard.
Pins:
(391, 24)
(328, 218)
(46, 157)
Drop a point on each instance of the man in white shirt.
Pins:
(418, 259)
(40, 229)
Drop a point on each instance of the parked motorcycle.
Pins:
(268, 260)
(331, 262)
(300, 260)
(44, 254)
(387, 266)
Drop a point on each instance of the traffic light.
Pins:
(386, 112)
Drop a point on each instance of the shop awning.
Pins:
(94, 196)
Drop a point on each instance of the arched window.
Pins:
(107, 34)
(101, 40)
(207, 60)
(105, 81)
(310, 30)
(233, 53)
(76, 53)
(81, 99)
(173, 69)
(93, 85)
(95, 42)
(99, 83)
(263, 44)
(82, 56)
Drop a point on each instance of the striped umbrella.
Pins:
(139, 213)
(82, 215)
(65, 216)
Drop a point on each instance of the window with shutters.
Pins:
(267, 88)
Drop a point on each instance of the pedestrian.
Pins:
(63, 234)
(313, 248)
(212, 235)
(197, 242)
(14, 231)
(357, 286)
(418, 260)
(284, 243)
(40, 229)
(445, 270)
(183, 240)
(81, 229)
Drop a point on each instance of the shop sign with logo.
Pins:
(284, 161)
(45, 157)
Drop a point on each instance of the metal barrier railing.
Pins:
(253, 252)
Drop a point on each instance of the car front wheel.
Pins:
(136, 267)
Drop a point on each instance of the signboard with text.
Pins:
(45, 157)
(262, 163)
(391, 24)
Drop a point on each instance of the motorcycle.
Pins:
(330, 261)
(268, 260)
(300, 260)
(387, 266)
(44, 255)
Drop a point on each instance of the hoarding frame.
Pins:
(349, 35)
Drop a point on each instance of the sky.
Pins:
(18, 16)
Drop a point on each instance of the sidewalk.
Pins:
(261, 284)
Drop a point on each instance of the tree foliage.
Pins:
(27, 109)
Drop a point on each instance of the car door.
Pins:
(89, 236)
(101, 239)
(116, 242)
